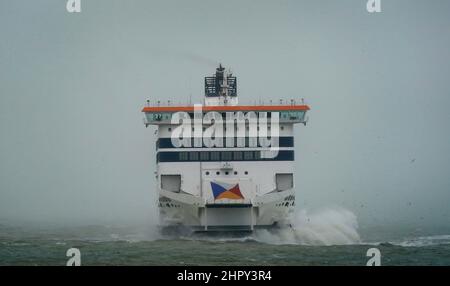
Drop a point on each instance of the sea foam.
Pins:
(328, 226)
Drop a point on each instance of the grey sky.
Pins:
(73, 147)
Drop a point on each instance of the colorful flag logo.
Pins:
(226, 191)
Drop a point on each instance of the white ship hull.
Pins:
(263, 204)
(270, 211)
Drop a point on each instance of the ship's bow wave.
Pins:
(331, 226)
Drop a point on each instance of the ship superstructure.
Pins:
(225, 166)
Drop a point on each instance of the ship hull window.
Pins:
(171, 183)
(284, 182)
(222, 156)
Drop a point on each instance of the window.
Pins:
(171, 183)
(207, 173)
(301, 115)
(293, 115)
(217, 173)
(215, 156)
(193, 156)
(227, 156)
(252, 142)
(248, 155)
(235, 172)
(183, 156)
(284, 181)
(246, 172)
(283, 155)
(227, 173)
(204, 156)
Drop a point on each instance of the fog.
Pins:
(74, 149)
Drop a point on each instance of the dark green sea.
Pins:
(108, 245)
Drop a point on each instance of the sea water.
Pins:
(325, 237)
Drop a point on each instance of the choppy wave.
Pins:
(323, 227)
(423, 241)
(332, 226)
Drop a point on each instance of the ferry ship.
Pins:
(223, 175)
